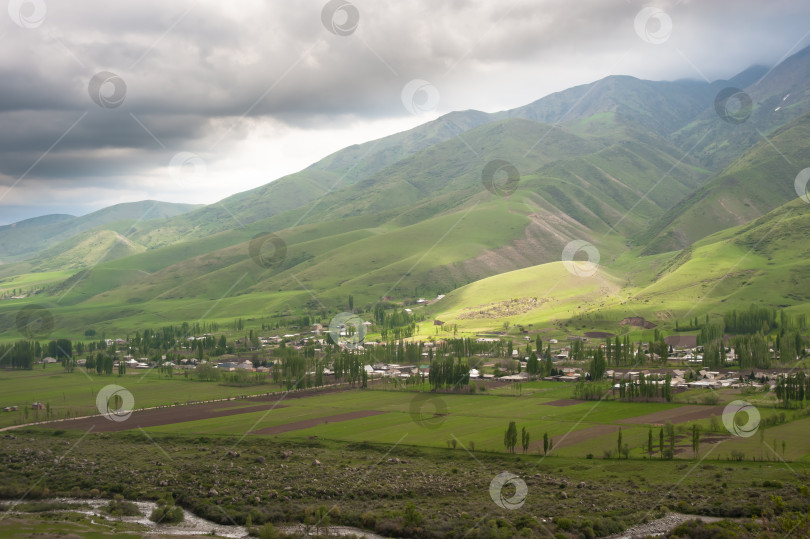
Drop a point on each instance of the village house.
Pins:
(246, 365)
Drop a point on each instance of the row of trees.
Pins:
(763, 320)
(646, 388)
(510, 439)
(754, 319)
(643, 389)
(793, 389)
(23, 354)
(20, 355)
(753, 351)
(447, 373)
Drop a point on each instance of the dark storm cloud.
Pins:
(198, 73)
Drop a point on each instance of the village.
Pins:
(684, 362)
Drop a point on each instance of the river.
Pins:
(191, 525)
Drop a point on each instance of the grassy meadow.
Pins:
(75, 393)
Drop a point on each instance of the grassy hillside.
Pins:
(412, 215)
(764, 262)
(754, 184)
(27, 238)
(777, 97)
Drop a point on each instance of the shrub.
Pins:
(368, 520)
(118, 507)
(167, 514)
(564, 524)
(268, 531)
(411, 516)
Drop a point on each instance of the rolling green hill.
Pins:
(765, 262)
(415, 215)
(25, 239)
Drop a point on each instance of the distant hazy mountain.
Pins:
(26, 238)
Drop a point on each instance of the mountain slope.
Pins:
(660, 107)
(777, 98)
(756, 183)
(642, 107)
(23, 240)
(410, 215)
(336, 171)
(765, 263)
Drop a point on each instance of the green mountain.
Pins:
(26, 238)
(754, 184)
(660, 107)
(612, 108)
(778, 97)
(765, 262)
(459, 203)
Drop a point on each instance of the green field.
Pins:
(482, 419)
(76, 392)
(368, 469)
(477, 419)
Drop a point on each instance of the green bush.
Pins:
(268, 531)
(118, 507)
(564, 524)
(167, 514)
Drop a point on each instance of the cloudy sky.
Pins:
(191, 101)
